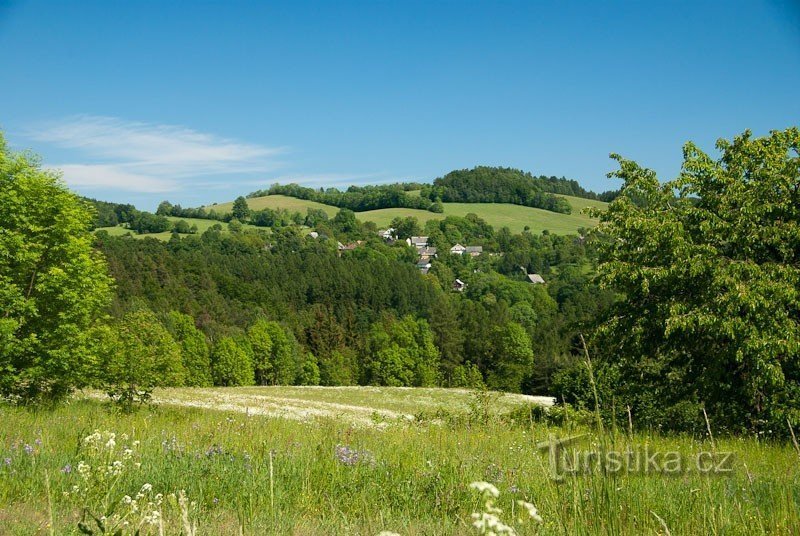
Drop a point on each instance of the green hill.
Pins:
(292, 204)
(498, 215)
(202, 226)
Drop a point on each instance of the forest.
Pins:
(709, 257)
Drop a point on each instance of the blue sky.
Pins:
(200, 102)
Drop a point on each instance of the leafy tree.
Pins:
(53, 285)
(402, 353)
(345, 222)
(309, 371)
(230, 364)
(138, 354)
(339, 368)
(164, 209)
(512, 358)
(260, 341)
(182, 227)
(406, 227)
(195, 354)
(709, 266)
(240, 210)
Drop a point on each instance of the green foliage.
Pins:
(339, 368)
(240, 210)
(402, 353)
(406, 227)
(230, 364)
(309, 371)
(709, 267)
(53, 285)
(502, 185)
(195, 354)
(512, 358)
(137, 354)
(261, 344)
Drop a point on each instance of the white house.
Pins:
(458, 249)
(418, 241)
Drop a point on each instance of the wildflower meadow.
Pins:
(87, 468)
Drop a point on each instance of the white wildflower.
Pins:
(532, 511)
(485, 487)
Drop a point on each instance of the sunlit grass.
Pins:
(411, 478)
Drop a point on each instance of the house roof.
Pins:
(458, 247)
(474, 249)
(419, 239)
(535, 278)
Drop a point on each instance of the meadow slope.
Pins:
(498, 215)
(251, 473)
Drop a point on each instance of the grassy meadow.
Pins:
(202, 226)
(498, 215)
(251, 471)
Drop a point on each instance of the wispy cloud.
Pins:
(143, 157)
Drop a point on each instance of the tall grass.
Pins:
(264, 475)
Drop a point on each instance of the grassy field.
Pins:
(202, 226)
(292, 204)
(250, 471)
(515, 217)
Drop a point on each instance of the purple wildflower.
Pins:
(38, 442)
(28, 449)
(7, 461)
(67, 469)
(349, 456)
(214, 450)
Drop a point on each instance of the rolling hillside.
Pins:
(515, 217)
(202, 226)
(292, 204)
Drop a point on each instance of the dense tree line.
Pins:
(355, 198)
(485, 184)
(366, 317)
(501, 185)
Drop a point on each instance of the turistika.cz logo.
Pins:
(566, 461)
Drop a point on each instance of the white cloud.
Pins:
(145, 157)
(102, 176)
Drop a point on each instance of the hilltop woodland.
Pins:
(687, 293)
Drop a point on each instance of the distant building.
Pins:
(426, 252)
(459, 285)
(474, 251)
(387, 234)
(424, 265)
(536, 279)
(348, 247)
(314, 235)
(458, 249)
(418, 241)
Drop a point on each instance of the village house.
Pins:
(426, 252)
(424, 266)
(473, 251)
(418, 241)
(459, 285)
(458, 249)
(387, 234)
